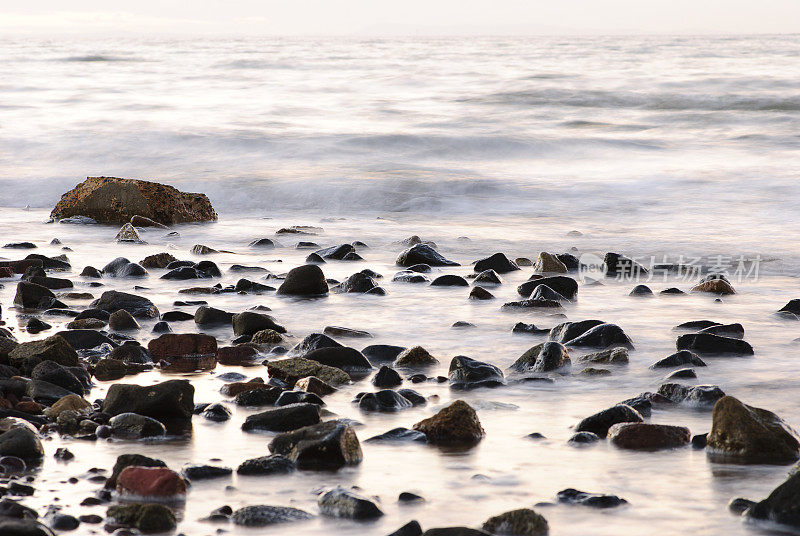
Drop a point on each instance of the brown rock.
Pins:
(714, 286)
(312, 384)
(159, 260)
(234, 388)
(115, 200)
(110, 369)
(549, 263)
(415, 357)
(645, 436)
(67, 403)
(171, 345)
(236, 355)
(457, 423)
(295, 368)
(141, 221)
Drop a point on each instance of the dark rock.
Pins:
(710, 344)
(22, 443)
(274, 464)
(602, 336)
(52, 372)
(564, 285)
(343, 503)
(641, 290)
(645, 436)
(342, 357)
(216, 413)
(478, 293)
(599, 423)
(263, 515)
(35, 326)
(138, 306)
(399, 434)
(283, 419)
(122, 267)
(264, 243)
(387, 377)
(384, 400)
(497, 262)
(307, 280)
(54, 348)
(133, 426)
(147, 518)
(324, 446)
(293, 369)
(407, 276)
(698, 395)
(382, 353)
(621, 266)
(750, 434)
(412, 528)
(205, 472)
(450, 280)
(782, 505)
(173, 399)
(594, 500)
(32, 296)
(159, 260)
(415, 357)
(583, 438)
(457, 423)
(728, 330)
(261, 396)
(249, 323)
(522, 522)
(679, 359)
(543, 292)
(544, 357)
(122, 320)
(468, 373)
(423, 254)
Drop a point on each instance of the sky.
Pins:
(405, 17)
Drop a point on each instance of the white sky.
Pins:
(398, 17)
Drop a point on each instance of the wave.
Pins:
(648, 101)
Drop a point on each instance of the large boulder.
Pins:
(324, 446)
(138, 306)
(306, 280)
(457, 423)
(114, 200)
(423, 254)
(173, 399)
(750, 434)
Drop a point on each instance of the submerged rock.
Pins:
(497, 262)
(423, 254)
(306, 280)
(264, 515)
(602, 336)
(138, 306)
(147, 518)
(697, 395)
(522, 522)
(343, 503)
(283, 419)
(173, 399)
(782, 505)
(600, 422)
(545, 357)
(679, 359)
(644, 436)
(549, 263)
(564, 285)
(594, 500)
(709, 344)
(324, 446)
(468, 373)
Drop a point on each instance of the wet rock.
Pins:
(216, 413)
(709, 344)
(714, 286)
(283, 419)
(86, 323)
(497, 262)
(173, 399)
(487, 277)
(336, 252)
(159, 260)
(115, 200)
(261, 396)
(415, 357)
(543, 292)
(122, 320)
(32, 296)
(781, 506)
(644, 436)
(672, 290)
(264, 243)
(600, 422)
(583, 438)
(342, 357)
(384, 400)
(266, 337)
(382, 353)
(151, 483)
(128, 233)
(63, 522)
(570, 330)
(147, 518)
(91, 271)
(522, 522)
(274, 464)
(564, 285)
(131, 354)
(468, 373)
(544, 357)
(750, 434)
(449, 280)
(54, 348)
(211, 316)
(205, 472)
(357, 283)
(263, 515)
(85, 339)
(138, 306)
(250, 323)
(407, 276)
(22, 527)
(478, 293)
(739, 505)
(456, 423)
(52, 372)
(68, 403)
(130, 460)
(122, 267)
(400, 434)
(728, 330)
(700, 441)
(621, 266)
(307, 280)
(184, 273)
(339, 502)
(698, 395)
(602, 336)
(133, 426)
(53, 283)
(682, 374)
(293, 369)
(423, 254)
(455, 531)
(387, 377)
(549, 263)
(107, 370)
(641, 290)
(312, 384)
(22, 443)
(314, 341)
(412, 528)
(594, 500)
(572, 262)
(612, 356)
(172, 345)
(679, 359)
(324, 446)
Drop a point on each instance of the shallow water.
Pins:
(669, 492)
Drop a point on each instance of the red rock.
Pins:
(236, 355)
(715, 286)
(151, 482)
(171, 345)
(6, 271)
(645, 436)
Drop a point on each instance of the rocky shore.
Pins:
(121, 355)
